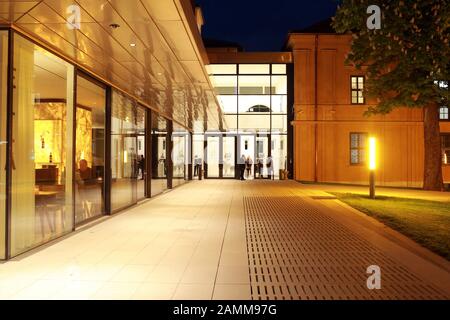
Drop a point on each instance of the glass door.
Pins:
(90, 150)
(261, 156)
(246, 147)
(212, 160)
(228, 157)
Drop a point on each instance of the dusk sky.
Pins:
(261, 25)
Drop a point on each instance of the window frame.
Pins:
(357, 90)
(359, 149)
(448, 114)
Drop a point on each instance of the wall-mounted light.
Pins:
(125, 157)
(372, 164)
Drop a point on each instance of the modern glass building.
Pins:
(104, 104)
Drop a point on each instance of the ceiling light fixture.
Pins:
(132, 44)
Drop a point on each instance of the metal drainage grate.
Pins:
(297, 252)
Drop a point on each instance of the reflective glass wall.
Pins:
(159, 154)
(90, 150)
(42, 136)
(77, 148)
(3, 116)
(179, 154)
(140, 165)
(123, 151)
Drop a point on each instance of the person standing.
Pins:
(242, 167)
(269, 165)
(259, 167)
(248, 166)
(141, 164)
(195, 165)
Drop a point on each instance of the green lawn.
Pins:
(426, 222)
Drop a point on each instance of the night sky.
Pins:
(261, 25)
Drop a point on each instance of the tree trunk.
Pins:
(432, 179)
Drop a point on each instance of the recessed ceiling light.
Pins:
(132, 44)
(159, 74)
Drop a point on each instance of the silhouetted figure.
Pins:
(242, 167)
(141, 165)
(248, 166)
(269, 165)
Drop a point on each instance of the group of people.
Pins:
(246, 163)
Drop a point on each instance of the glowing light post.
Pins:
(372, 165)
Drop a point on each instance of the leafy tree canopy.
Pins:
(407, 57)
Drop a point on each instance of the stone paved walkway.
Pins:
(226, 239)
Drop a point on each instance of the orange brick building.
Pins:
(329, 125)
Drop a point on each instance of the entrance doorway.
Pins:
(255, 148)
(220, 156)
(223, 154)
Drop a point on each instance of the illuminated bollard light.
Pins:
(372, 165)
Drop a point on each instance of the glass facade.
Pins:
(179, 155)
(254, 100)
(159, 153)
(127, 151)
(3, 116)
(90, 150)
(42, 135)
(77, 148)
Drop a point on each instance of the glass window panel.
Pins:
(198, 147)
(42, 166)
(360, 83)
(254, 84)
(360, 97)
(254, 69)
(228, 103)
(354, 96)
(354, 156)
(159, 163)
(140, 165)
(279, 153)
(252, 121)
(179, 155)
(279, 104)
(446, 141)
(354, 83)
(90, 150)
(279, 69)
(279, 84)
(354, 140)
(228, 157)
(254, 104)
(212, 156)
(221, 69)
(279, 123)
(362, 140)
(443, 113)
(123, 151)
(231, 121)
(224, 84)
(446, 157)
(3, 95)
